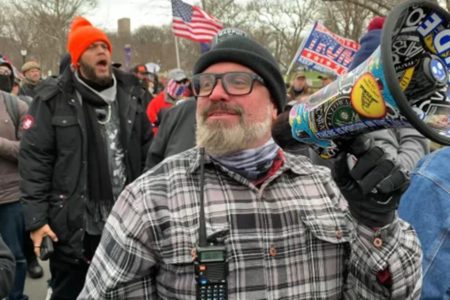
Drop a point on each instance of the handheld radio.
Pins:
(210, 263)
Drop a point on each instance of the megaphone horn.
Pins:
(404, 83)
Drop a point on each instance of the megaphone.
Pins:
(404, 83)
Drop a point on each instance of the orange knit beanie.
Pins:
(81, 35)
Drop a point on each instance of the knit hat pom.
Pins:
(82, 34)
(79, 22)
(376, 23)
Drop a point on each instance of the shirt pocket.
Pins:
(67, 130)
(176, 279)
(68, 139)
(331, 229)
(328, 235)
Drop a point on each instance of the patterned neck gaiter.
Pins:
(250, 163)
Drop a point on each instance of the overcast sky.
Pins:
(141, 12)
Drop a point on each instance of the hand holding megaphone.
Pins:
(404, 83)
(371, 183)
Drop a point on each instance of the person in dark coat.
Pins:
(85, 138)
(176, 133)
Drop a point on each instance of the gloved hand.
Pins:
(373, 186)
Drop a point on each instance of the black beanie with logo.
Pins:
(245, 51)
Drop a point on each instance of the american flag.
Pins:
(192, 23)
(326, 52)
(175, 89)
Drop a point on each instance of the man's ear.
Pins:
(274, 110)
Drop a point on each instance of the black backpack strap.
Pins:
(13, 110)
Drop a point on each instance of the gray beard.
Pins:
(219, 139)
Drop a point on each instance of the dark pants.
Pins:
(68, 279)
(12, 229)
(29, 248)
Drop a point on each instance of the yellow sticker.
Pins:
(406, 78)
(428, 41)
(366, 98)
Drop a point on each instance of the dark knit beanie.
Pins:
(245, 51)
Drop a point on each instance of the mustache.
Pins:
(222, 107)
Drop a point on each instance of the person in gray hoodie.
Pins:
(12, 227)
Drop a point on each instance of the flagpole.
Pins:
(293, 62)
(302, 44)
(177, 52)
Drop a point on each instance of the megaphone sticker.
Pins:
(366, 98)
(404, 83)
(406, 78)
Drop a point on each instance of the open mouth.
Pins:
(102, 63)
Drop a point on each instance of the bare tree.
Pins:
(376, 7)
(230, 13)
(41, 26)
(281, 24)
(345, 18)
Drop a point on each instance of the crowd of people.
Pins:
(124, 172)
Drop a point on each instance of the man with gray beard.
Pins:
(238, 218)
(86, 137)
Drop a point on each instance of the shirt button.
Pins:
(272, 251)
(338, 234)
(194, 254)
(378, 242)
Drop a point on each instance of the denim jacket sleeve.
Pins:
(426, 206)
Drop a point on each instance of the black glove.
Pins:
(373, 186)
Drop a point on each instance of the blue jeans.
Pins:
(12, 229)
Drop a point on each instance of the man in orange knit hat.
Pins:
(86, 137)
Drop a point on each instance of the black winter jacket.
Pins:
(53, 155)
(176, 132)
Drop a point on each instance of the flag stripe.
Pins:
(181, 24)
(191, 22)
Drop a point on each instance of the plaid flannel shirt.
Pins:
(290, 238)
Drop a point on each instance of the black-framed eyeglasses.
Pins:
(234, 83)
